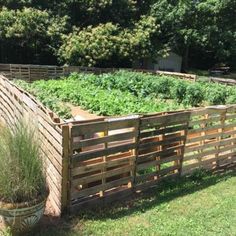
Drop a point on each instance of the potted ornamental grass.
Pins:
(23, 189)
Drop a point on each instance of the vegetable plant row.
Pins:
(123, 93)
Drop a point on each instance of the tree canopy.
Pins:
(117, 32)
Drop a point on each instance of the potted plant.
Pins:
(23, 189)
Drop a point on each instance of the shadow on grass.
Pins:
(163, 193)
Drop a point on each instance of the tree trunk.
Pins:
(185, 58)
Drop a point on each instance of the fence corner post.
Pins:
(65, 169)
(137, 141)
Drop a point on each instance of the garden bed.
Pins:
(123, 93)
(145, 150)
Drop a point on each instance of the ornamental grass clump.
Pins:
(21, 169)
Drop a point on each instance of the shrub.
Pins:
(21, 176)
(163, 87)
(178, 91)
(216, 94)
(231, 99)
(194, 95)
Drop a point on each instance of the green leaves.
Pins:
(124, 92)
(29, 30)
(89, 46)
(198, 30)
(21, 177)
(93, 45)
(27, 23)
(99, 94)
(194, 95)
(114, 33)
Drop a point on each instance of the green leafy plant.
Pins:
(126, 92)
(194, 95)
(216, 94)
(84, 92)
(21, 176)
(231, 99)
(6, 232)
(178, 91)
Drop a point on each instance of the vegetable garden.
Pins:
(97, 161)
(123, 93)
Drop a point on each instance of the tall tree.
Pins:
(206, 26)
(115, 32)
(29, 34)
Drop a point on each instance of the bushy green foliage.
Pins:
(194, 95)
(48, 99)
(33, 30)
(92, 45)
(21, 176)
(116, 32)
(178, 91)
(231, 99)
(82, 92)
(202, 30)
(163, 87)
(216, 94)
(139, 84)
(125, 92)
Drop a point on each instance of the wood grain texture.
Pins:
(16, 104)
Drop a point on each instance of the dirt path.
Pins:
(77, 111)
(79, 114)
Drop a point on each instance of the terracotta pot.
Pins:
(22, 217)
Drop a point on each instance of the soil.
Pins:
(79, 114)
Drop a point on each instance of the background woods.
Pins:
(114, 33)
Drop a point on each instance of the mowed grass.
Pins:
(202, 204)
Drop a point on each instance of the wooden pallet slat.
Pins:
(101, 140)
(98, 153)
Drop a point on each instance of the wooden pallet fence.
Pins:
(16, 104)
(103, 159)
(37, 72)
(98, 161)
(211, 139)
(161, 146)
(31, 72)
(226, 81)
(125, 155)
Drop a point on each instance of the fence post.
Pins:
(221, 131)
(137, 140)
(65, 194)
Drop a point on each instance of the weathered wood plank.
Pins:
(168, 130)
(165, 120)
(89, 128)
(104, 152)
(158, 162)
(161, 142)
(93, 190)
(103, 175)
(207, 153)
(65, 167)
(98, 166)
(110, 138)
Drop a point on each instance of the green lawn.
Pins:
(203, 204)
